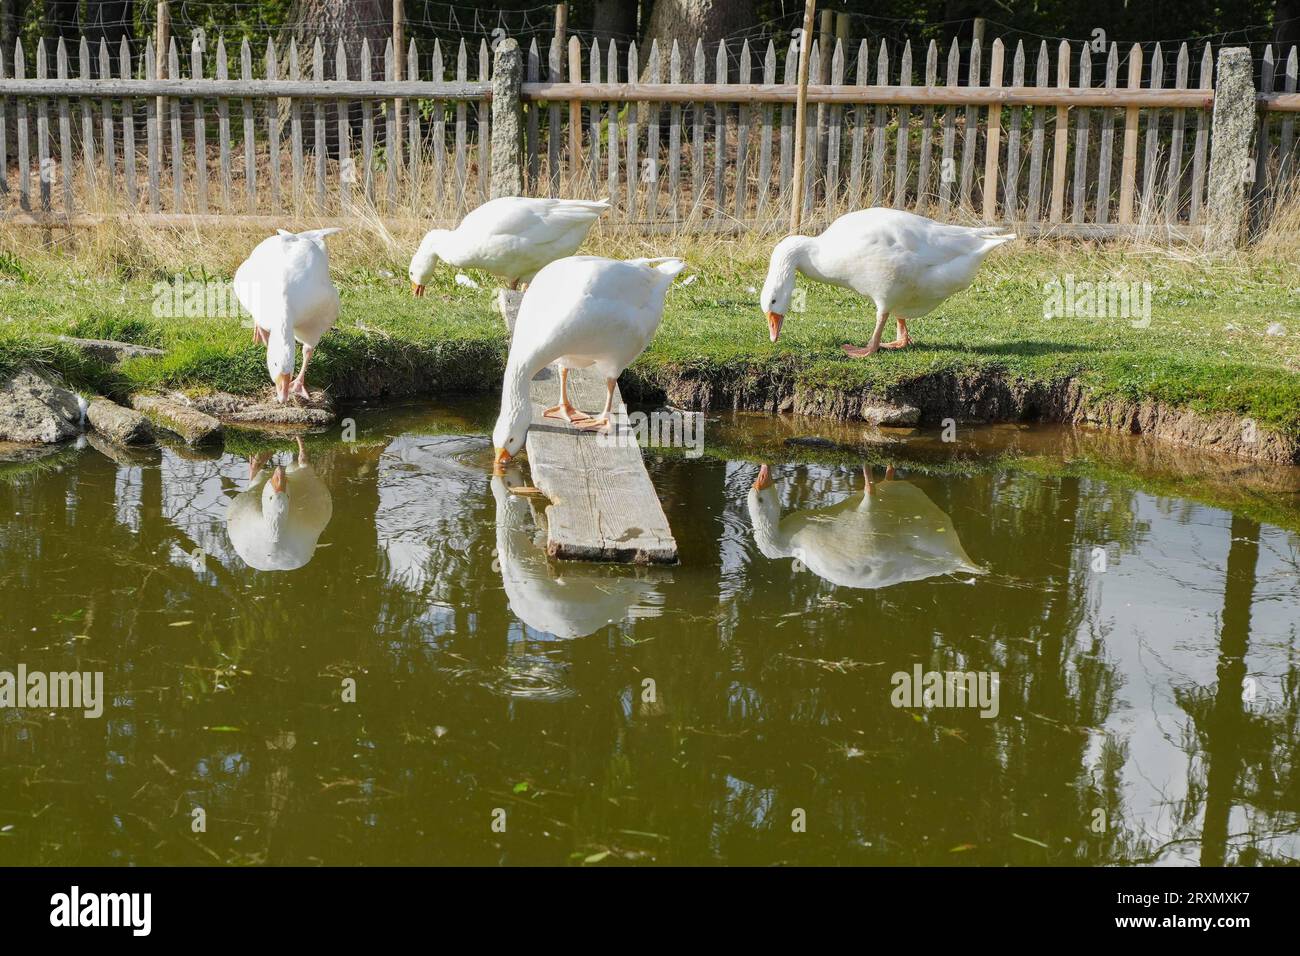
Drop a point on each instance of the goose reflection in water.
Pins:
(887, 534)
(275, 522)
(579, 601)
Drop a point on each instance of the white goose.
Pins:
(906, 264)
(888, 534)
(275, 523)
(285, 285)
(512, 237)
(580, 312)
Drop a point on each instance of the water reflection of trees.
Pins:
(772, 685)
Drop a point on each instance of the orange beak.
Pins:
(774, 324)
(764, 479)
(499, 466)
(277, 479)
(417, 290)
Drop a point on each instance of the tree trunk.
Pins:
(689, 20)
(615, 20)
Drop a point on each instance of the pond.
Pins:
(376, 663)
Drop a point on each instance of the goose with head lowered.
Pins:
(285, 286)
(906, 264)
(512, 237)
(580, 312)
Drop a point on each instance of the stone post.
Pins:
(1231, 166)
(507, 120)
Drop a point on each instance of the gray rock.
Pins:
(885, 415)
(507, 170)
(34, 410)
(507, 303)
(1233, 129)
(108, 351)
(122, 425)
(266, 413)
(196, 427)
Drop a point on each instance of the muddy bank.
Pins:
(968, 399)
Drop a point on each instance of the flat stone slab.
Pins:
(194, 426)
(125, 426)
(110, 352)
(264, 412)
(887, 415)
(33, 410)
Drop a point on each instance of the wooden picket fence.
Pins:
(1081, 143)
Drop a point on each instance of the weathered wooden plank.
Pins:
(44, 166)
(970, 133)
(344, 130)
(857, 147)
(273, 128)
(593, 117)
(483, 110)
(128, 124)
(553, 134)
(924, 188)
(1150, 203)
(879, 130)
(200, 130)
(1011, 193)
(21, 133)
(834, 128)
(1286, 168)
(415, 142)
(367, 127)
(903, 140)
(674, 135)
(1202, 140)
(223, 125)
(295, 131)
(462, 160)
(787, 124)
(719, 134)
(633, 141)
(250, 125)
(763, 185)
(440, 127)
(1107, 146)
(1173, 186)
(1263, 145)
(652, 141)
(320, 143)
(612, 128)
(698, 109)
(65, 126)
(1061, 136)
(1128, 164)
(106, 120)
(993, 137)
(1079, 202)
(1033, 205)
(811, 152)
(947, 162)
(4, 135)
(153, 130)
(575, 113)
(742, 138)
(603, 506)
(532, 73)
(178, 139)
(89, 170)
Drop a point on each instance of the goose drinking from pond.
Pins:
(906, 264)
(580, 312)
(889, 533)
(285, 286)
(512, 237)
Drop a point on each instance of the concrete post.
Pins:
(1232, 134)
(507, 120)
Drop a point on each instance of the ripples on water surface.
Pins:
(1158, 696)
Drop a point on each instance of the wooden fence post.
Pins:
(507, 120)
(1232, 131)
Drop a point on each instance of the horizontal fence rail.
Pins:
(1066, 138)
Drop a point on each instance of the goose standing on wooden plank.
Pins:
(285, 286)
(906, 264)
(888, 534)
(512, 237)
(580, 312)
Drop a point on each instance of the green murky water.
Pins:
(738, 708)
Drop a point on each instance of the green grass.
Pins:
(712, 328)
